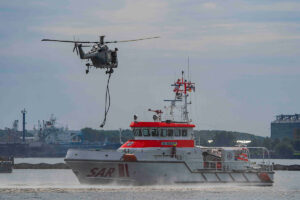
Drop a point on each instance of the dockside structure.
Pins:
(286, 126)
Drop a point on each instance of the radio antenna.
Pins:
(188, 68)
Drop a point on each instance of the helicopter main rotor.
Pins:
(100, 55)
(99, 42)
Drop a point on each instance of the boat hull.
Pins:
(153, 172)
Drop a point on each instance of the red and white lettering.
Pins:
(93, 172)
(123, 170)
(96, 172)
(110, 172)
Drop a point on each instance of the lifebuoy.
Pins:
(264, 177)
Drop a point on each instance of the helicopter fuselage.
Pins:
(101, 57)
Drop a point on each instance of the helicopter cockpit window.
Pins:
(146, 132)
(154, 132)
(170, 132)
(184, 132)
(163, 132)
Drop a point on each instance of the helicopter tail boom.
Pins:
(82, 55)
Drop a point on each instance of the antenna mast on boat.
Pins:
(182, 87)
(188, 68)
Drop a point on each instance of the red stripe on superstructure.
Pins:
(158, 143)
(160, 124)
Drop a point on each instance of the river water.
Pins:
(62, 184)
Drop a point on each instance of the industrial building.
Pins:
(286, 126)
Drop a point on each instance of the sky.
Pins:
(244, 60)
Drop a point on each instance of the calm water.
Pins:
(62, 184)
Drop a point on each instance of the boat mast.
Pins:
(185, 110)
(181, 89)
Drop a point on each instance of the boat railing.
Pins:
(223, 165)
(262, 153)
(168, 156)
(265, 163)
(264, 150)
(234, 166)
(220, 166)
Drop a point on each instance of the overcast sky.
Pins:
(244, 59)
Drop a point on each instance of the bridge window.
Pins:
(170, 132)
(163, 132)
(137, 132)
(154, 132)
(184, 132)
(146, 132)
(177, 132)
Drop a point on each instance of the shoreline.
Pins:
(41, 166)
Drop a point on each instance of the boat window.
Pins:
(170, 132)
(154, 132)
(184, 132)
(140, 133)
(137, 132)
(177, 132)
(163, 132)
(146, 132)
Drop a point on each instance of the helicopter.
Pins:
(100, 55)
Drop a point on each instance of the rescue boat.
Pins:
(164, 152)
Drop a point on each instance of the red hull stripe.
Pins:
(158, 143)
(160, 124)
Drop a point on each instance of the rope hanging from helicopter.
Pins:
(107, 98)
